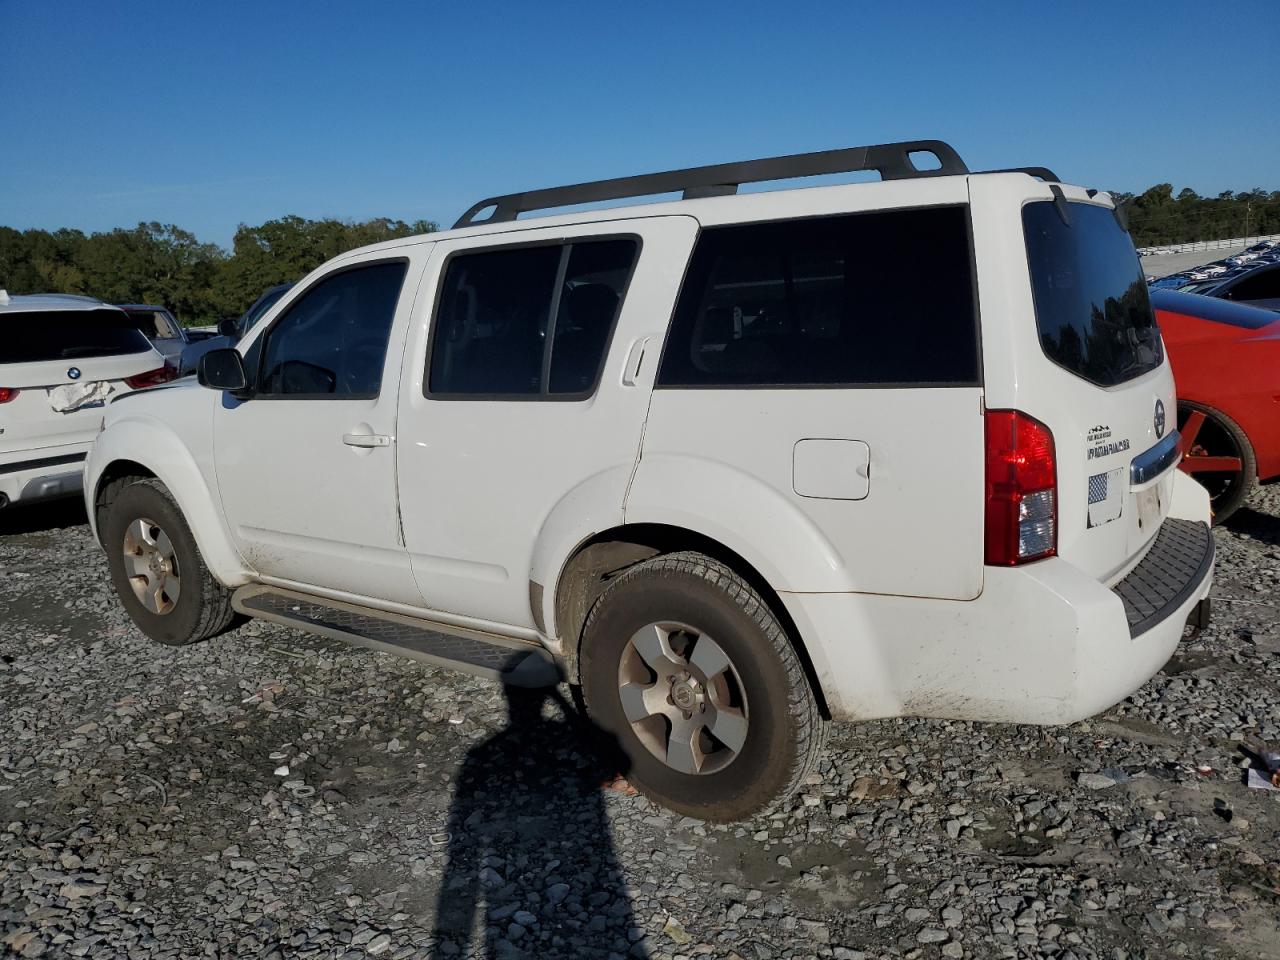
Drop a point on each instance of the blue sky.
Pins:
(207, 115)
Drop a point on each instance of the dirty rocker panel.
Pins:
(1173, 568)
(512, 661)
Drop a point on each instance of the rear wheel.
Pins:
(157, 569)
(686, 665)
(1218, 454)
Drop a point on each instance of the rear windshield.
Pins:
(68, 334)
(1092, 307)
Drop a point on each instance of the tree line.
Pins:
(1158, 216)
(164, 264)
(201, 282)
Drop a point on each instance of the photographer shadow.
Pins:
(531, 869)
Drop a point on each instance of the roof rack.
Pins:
(1040, 173)
(891, 160)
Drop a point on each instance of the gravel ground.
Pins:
(269, 794)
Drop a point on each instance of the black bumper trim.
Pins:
(1173, 569)
(43, 462)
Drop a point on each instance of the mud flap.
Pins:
(1198, 619)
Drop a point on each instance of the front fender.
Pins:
(743, 513)
(154, 444)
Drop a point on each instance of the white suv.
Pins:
(61, 357)
(736, 464)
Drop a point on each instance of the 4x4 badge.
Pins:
(1159, 419)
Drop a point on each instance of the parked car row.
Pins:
(1251, 277)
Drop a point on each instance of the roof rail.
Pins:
(1040, 173)
(891, 160)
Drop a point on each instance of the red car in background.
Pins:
(1226, 363)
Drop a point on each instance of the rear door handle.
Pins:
(635, 357)
(366, 440)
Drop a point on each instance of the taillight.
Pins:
(1022, 489)
(8, 393)
(152, 377)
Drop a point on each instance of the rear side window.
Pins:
(68, 334)
(528, 321)
(872, 299)
(333, 340)
(155, 324)
(1092, 307)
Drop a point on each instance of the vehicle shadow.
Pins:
(530, 842)
(42, 516)
(1258, 525)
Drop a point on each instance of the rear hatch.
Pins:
(58, 368)
(1083, 356)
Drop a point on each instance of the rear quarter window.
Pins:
(871, 299)
(44, 335)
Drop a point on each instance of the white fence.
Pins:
(1197, 245)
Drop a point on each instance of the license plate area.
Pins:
(1149, 508)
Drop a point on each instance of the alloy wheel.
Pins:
(683, 697)
(151, 566)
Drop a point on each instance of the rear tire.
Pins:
(1210, 435)
(719, 721)
(157, 569)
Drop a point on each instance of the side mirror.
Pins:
(222, 370)
(227, 328)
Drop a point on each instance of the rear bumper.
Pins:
(1042, 644)
(42, 474)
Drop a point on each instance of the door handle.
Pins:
(635, 357)
(366, 440)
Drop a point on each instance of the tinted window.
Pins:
(1092, 307)
(333, 341)
(528, 321)
(67, 334)
(876, 298)
(1263, 285)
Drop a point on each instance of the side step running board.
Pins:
(513, 662)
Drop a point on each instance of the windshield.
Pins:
(67, 334)
(1199, 286)
(1092, 307)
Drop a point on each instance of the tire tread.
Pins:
(811, 729)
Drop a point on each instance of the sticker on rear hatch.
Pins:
(1101, 444)
(1106, 497)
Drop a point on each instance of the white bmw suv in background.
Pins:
(735, 464)
(61, 358)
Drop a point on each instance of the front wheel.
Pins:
(157, 569)
(685, 664)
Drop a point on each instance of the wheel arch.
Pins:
(135, 449)
(597, 559)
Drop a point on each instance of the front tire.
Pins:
(157, 569)
(686, 665)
